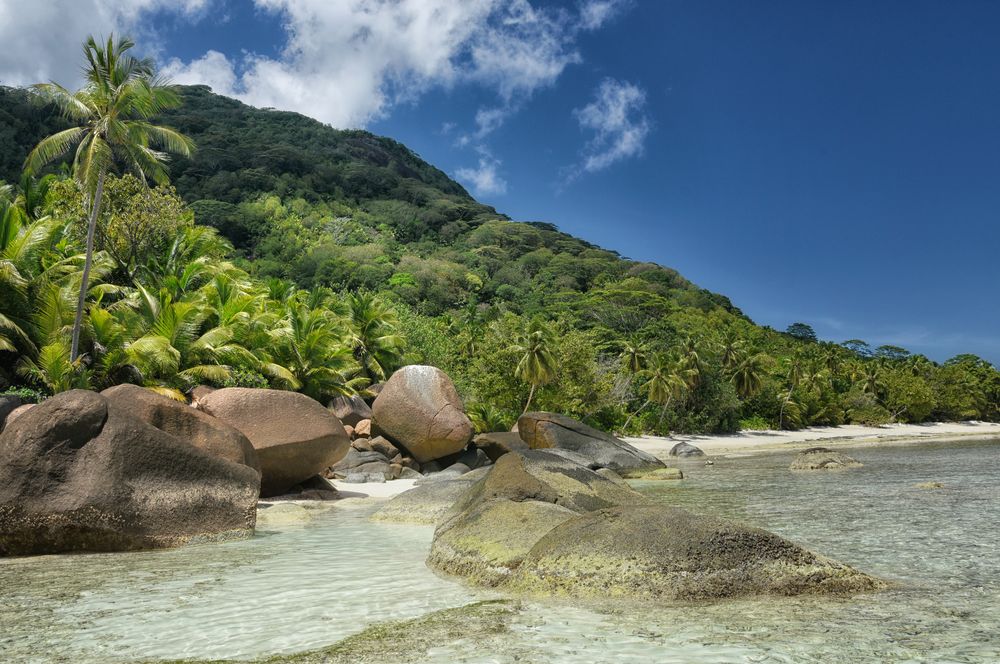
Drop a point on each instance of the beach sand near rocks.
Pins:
(747, 442)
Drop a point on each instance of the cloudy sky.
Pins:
(834, 163)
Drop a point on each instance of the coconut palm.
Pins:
(748, 375)
(537, 365)
(375, 342)
(111, 113)
(667, 381)
(732, 351)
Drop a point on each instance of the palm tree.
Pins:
(748, 376)
(537, 365)
(633, 357)
(111, 113)
(375, 343)
(667, 381)
(732, 351)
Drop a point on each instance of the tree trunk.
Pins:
(629, 419)
(88, 260)
(531, 395)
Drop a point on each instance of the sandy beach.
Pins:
(747, 442)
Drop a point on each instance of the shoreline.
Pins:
(851, 435)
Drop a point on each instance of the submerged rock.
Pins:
(659, 552)
(295, 437)
(549, 430)
(424, 503)
(823, 458)
(685, 450)
(80, 472)
(929, 485)
(660, 474)
(420, 409)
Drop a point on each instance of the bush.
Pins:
(26, 394)
(245, 378)
(755, 423)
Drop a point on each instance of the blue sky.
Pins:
(833, 163)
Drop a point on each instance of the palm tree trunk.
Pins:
(88, 260)
(531, 395)
(629, 418)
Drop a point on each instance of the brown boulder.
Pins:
(295, 437)
(383, 446)
(420, 409)
(16, 413)
(80, 473)
(363, 429)
(192, 426)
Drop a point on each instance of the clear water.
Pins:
(298, 587)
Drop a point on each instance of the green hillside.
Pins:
(500, 305)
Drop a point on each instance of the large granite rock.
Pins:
(549, 430)
(80, 472)
(496, 444)
(363, 462)
(420, 409)
(8, 403)
(181, 421)
(660, 552)
(16, 413)
(494, 524)
(823, 458)
(350, 410)
(295, 437)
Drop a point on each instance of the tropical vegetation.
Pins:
(287, 254)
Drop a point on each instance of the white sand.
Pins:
(373, 489)
(849, 435)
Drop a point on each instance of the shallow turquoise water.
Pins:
(294, 588)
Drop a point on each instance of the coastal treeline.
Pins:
(284, 253)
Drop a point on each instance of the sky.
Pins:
(835, 163)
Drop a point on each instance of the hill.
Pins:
(354, 212)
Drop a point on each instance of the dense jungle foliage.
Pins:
(289, 254)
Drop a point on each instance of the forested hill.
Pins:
(517, 313)
(348, 209)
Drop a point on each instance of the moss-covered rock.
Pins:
(487, 542)
(658, 474)
(659, 552)
(425, 503)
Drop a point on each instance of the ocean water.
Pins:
(301, 586)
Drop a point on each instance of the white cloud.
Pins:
(595, 13)
(485, 178)
(618, 120)
(349, 62)
(345, 62)
(43, 41)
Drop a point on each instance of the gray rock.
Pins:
(16, 413)
(473, 457)
(80, 472)
(7, 404)
(424, 503)
(823, 458)
(363, 477)
(496, 444)
(350, 410)
(548, 430)
(685, 450)
(409, 474)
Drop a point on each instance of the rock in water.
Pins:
(295, 437)
(685, 450)
(660, 552)
(181, 421)
(823, 458)
(80, 472)
(420, 409)
(424, 503)
(350, 410)
(549, 430)
(494, 524)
